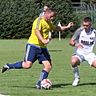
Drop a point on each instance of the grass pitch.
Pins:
(22, 82)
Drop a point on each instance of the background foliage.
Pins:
(17, 16)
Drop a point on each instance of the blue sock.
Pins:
(43, 75)
(17, 65)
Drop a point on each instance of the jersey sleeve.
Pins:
(95, 34)
(37, 23)
(77, 33)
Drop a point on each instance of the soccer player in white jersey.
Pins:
(83, 40)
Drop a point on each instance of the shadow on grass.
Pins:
(55, 85)
(60, 85)
(20, 86)
(84, 84)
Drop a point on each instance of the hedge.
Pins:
(17, 16)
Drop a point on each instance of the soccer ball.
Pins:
(46, 84)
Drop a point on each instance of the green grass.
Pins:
(22, 82)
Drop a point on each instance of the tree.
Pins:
(16, 16)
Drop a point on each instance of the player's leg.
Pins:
(27, 63)
(74, 62)
(46, 61)
(47, 66)
(94, 63)
(91, 58)
(17, 65)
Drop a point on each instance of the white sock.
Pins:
(76, 72)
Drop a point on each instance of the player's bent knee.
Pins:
(50, 66)
(94, 64)
(74, 63)
(47, 65)
(27, 65)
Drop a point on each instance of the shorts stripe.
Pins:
(34, 53)
(27, 52)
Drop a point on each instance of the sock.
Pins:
(43, 75)
(76, 72)
(17, 65)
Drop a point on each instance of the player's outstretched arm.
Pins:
(67, 27)
(62, 28)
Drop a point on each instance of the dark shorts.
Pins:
(34, 53)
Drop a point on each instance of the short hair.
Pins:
(50, 10)
(87, 19)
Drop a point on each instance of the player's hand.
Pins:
(46, 41)
(79, 45)
(70, 24)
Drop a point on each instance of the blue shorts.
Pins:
(34, 53)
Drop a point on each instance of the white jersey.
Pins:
(86, 39)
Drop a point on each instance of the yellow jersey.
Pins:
(44, 26)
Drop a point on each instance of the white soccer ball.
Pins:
(46, 84)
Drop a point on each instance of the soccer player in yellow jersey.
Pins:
(36, 47)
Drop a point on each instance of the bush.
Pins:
(17, 16)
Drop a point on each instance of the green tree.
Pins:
(17, 16)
